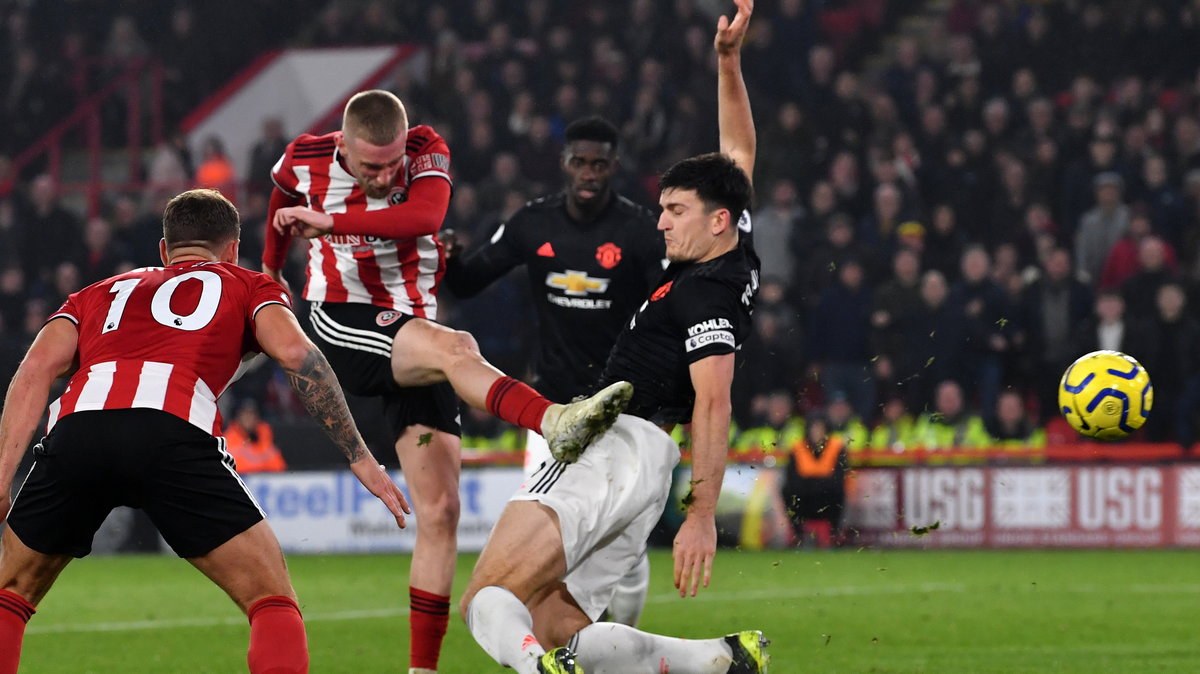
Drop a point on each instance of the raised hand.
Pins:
(731, 33)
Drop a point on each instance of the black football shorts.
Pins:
(97, 460)
(357, 341)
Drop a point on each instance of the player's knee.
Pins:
(458, 346)
(441, 514)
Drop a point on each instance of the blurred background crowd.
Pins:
(954, 199)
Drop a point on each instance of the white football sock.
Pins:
(610, 648)
(630, 598)
(503, 627)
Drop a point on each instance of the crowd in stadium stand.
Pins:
(940, 234)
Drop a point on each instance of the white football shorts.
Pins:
(537, 452)
(607, 504)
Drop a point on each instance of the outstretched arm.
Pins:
(51, 355)
(315, 383)
(420, 215)
(733, 103)
(696, 543)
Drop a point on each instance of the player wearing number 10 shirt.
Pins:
(152, 350)
(128, 360)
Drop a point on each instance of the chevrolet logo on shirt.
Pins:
(576, 283)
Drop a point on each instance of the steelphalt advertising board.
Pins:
(1128, 506)
(329, 511)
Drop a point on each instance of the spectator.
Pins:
(1168, 209)
(950, 424)
(1174, 367)
(773, 356)
(101, 255)
(844, 423)
(1083, 179)
(51, 232)
(840, 348)
(934, 342)
(215, 169)
(266, 151)
(811, 228)
(986, 315)
(772, 427)
(1110, 329)
(944, 243)
(844, 177)
(1009, 208)
(11, 234)
(12, 298)
(788, 148)
(887, 214)
(26, 101)
(826, 257)
(505, 177)
(1154, 271)
(814, 486)
(331, 29)
(1101, 227)
(376, 25)
(170, 166)
(774, 228)
(894, 431)
(189, 65)
(900, 79)
(1052, 307)
(538, 155)
(1122, 261)
(1008, 425)
(895, 302)
(251, 442)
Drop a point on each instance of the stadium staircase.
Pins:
(74, 151)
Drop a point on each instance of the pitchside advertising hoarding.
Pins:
(1071, 506)
(317, 512)
(1068, 506)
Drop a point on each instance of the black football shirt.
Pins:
(698, 309)
(586, 279)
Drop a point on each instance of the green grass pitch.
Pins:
(837, 611)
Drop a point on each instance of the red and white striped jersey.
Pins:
(398, 274)
(169, 339)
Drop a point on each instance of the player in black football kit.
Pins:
(572, 529)
(592, 257)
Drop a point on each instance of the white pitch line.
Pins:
(704, 596)
(171, 623)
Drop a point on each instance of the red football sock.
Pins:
(14, 613)
(427, 626)
(517, 403)
(277, 641)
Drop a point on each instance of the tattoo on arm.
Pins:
(317, 387)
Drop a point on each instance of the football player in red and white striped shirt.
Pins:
(152, 350)
(370, 199)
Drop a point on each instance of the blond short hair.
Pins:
(375, 116)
